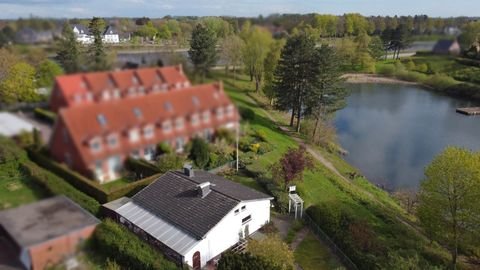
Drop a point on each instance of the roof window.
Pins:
(168, 106)
(102, 120)
(137, 112)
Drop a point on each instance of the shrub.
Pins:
(25, 138)
(225, 134)
(261, 135)
(164, 148)
(142, 168)
(254, 147)
(422, 68)
(440, 82)
(264, 148)
(200, 152)
(45, 115)
(273, 250)
(247, 114)
(244, 143)
(57, 186)
(387, 70)
(411, 76)
(10, 153)
(115, 241)
(410, 65)
(169, 162)
(244, 261)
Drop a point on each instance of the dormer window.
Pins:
(141, 90)
(178, 85)
(134, 135)
(167, 126)
(134, 80)
(179, 123)
(131, 91)
(156, 88)
(95, 145)
(106, 95)
(116, 94)
(164, 86)
(89, 96)
(206, 116)
(77, 98)
(186, 84)
(148, 131)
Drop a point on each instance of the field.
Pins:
(384, 227)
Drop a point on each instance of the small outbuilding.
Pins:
(447, 47)
(12, 125)
(192, 216)
(45, 233)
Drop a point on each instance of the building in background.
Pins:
(82, 34)
(106, 117)
(45, 233)
(447, 47)
(192, 216)
(110, 35)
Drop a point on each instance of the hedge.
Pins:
(90, 187)
(75, 179)
(141, 167)
(56, 186)
(45, 115)
(115, 241)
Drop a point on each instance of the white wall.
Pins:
(226, 233)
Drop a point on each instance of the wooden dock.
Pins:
(469, 111)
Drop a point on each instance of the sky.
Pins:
(250, 8)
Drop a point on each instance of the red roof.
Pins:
(122, 115)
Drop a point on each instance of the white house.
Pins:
(192, 216)
(110, 35)
(82, 34)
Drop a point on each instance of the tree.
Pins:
(202, 50)
(68, 51)
(449, 208)
(273, 250)
(168, 162)
(376, 47)
(218, 26)
(270, 64)
(164, 32)
(46, 73)
(243, 261)
(470, 35)
(19, 84)
(291, 166)
(96, 50)
(232, 47)
(200, 152)
(257, 43)
(296, 77)
(147, 30)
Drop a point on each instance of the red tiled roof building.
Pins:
(104, 117)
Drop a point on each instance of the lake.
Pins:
(392, 132)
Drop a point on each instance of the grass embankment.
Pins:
(363, 220)
(312, 255)
(445, 74)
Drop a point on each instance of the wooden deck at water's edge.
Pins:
(469, 111)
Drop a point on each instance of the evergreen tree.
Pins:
(68, 52)
(296, 76)
(202, 50)
(96, 50)
(200, 153)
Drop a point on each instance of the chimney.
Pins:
(203, 189)
(188, 170)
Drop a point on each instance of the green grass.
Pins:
(312, 255)
(16, 190)
(246, 181)
(116, 184)
(358, 198)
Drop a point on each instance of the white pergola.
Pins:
(294, 201)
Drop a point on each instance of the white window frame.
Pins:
(134, 135)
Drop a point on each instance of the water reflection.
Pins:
(393, 131)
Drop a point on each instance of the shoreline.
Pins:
(374, 78)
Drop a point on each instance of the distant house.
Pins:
(110, 35)
(82, 34)
(44, 233)
(192, 216)
(447, 47)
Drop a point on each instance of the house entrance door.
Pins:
(196, 260)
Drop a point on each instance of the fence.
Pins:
(324, 237)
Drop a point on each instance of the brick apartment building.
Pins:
(105, 117)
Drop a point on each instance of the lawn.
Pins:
(357, 200)
(16, 190)
(116, 184)
(312, 255)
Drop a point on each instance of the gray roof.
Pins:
(110, 30)
(173, 197)
(82, 29)
(443, 45)
(44, 220)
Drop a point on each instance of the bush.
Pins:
(115, 241)
(264, 148)
(410, 65)
(411, 76)
(10, 153)
(244, 143)
(45, 115)
(77, 180)
(387, 70)
(164, 148)
(247, 114)
(423, 68)
(170, 162)
(225, 134)
(142, 168)
(244, 261)
(254, 147)
(57, 186)
(440, 82)
(131, 189)
(200, 152)
(261, 135)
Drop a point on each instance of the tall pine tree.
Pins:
(68, 52)
(202, 50)
(96, 50)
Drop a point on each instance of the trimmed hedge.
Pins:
(141, 167)
(75, 179)
(45, 115)
(56, 186)
(115, 241)
(131, 189)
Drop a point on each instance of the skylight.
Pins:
(168, 106)
(137, 112)
(195, 101)
(102, 120)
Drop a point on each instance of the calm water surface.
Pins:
(393, 131)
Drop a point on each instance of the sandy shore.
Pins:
(372, 78)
